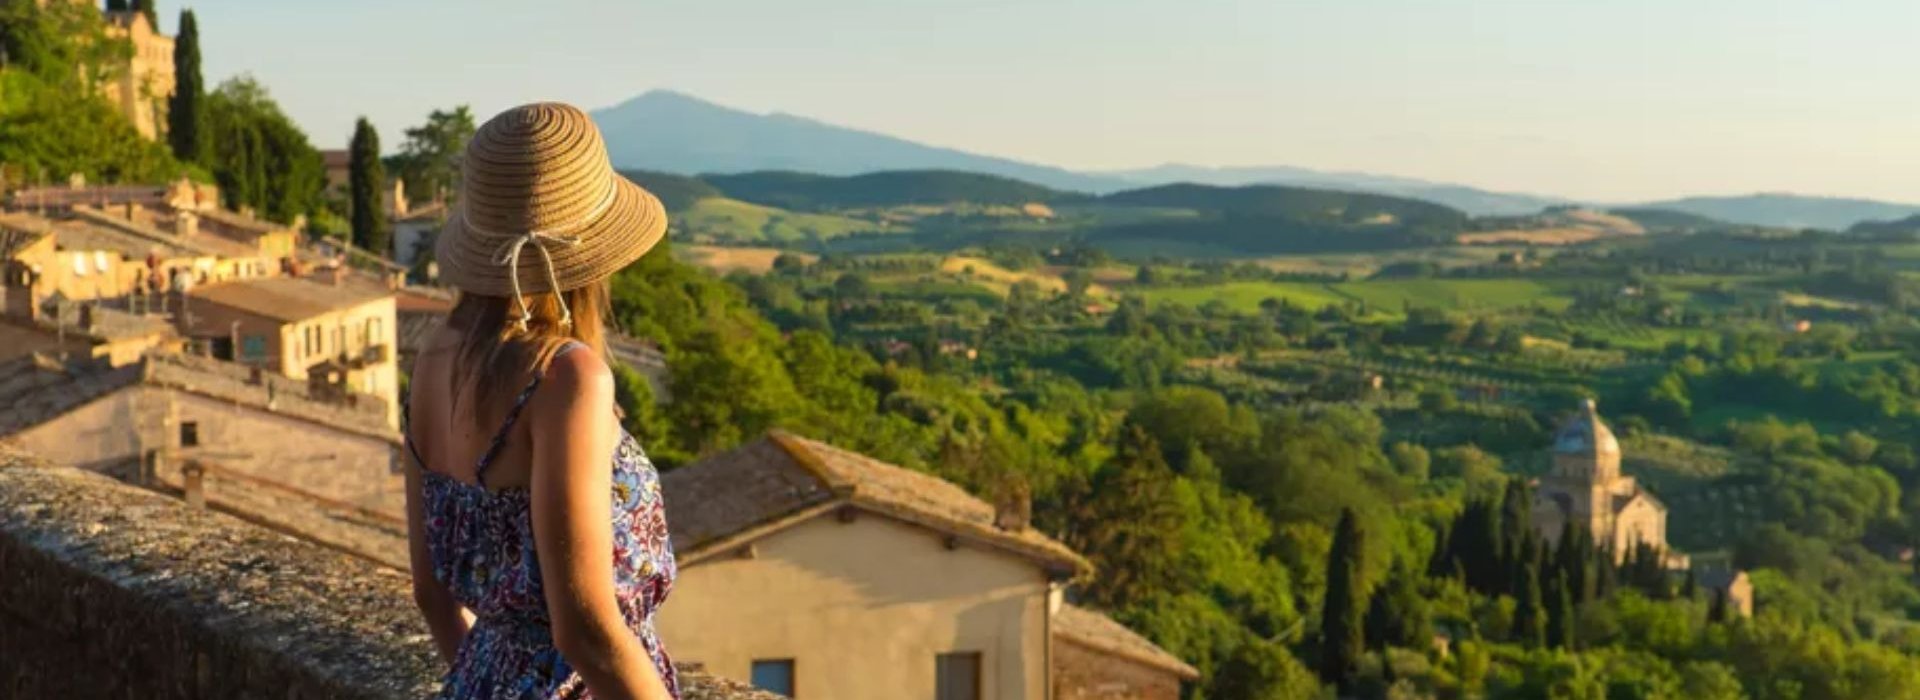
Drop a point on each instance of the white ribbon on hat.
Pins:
(508, 254)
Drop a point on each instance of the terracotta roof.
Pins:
(240, 223)
(290, 298)
(767, 483)
(199, 243)
(423, 299)
(17, 231)
(336, 158)
(85, 235)
(37, 388)
(1101, 633)
(62, 196)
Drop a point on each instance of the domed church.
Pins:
(1587, 489)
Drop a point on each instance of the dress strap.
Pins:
(406, 432)
(513, 415)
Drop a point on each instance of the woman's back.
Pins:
(480, 538)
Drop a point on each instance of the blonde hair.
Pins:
(493, 346)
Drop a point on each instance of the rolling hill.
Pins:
(1471, 200)
(678, 133)
(1296, 203)
(1789, 210)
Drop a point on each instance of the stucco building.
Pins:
(333, 328)
(1587, 489)
(158, 419)
(142, 90)
(822, 573)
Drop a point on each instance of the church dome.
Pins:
(1585, 434)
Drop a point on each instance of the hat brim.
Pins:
(632, 224)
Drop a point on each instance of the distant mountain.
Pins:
(1477, 202)
(677, 133)
(1789, 210)
(808, 191)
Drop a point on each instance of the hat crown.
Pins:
(537, 167)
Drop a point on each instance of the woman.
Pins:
(538, 538)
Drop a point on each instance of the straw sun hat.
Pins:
(541, 209)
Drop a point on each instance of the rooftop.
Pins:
(1102, 633)
(40, 388)
(764, 484)
(291, 298)
(1585, 433)
(129, 593)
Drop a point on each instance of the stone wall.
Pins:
(111, 591)
(1083, 673)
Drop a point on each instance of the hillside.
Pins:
(1667, 220)
(678, 133)
(1295, 203)
(677, 192)
(1789, 210)
(1471, 200)
(1901, 228)
(1555, 226)
(807, 191)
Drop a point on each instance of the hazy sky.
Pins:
(1602, 99)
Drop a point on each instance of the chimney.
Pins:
(130, 210)
(254, 375)
(335, 275)
(399, 203)
(1013, 512)
(192, 478)
(186, 224)
(86, 317)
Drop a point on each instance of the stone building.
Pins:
(142, 90)
(143, 421)
(1587, 489)
(818, 572)
(1731, 585)
(332, 324)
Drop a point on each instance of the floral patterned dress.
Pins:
(483, 551)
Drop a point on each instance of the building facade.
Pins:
(141, 421)
(817, 572)
(331, 328)
(1585, 488)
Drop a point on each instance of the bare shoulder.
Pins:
(579, 375)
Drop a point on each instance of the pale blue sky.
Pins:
(1602, 99)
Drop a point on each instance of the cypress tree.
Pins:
(1398, 614)
(366, 178)
(1690, 588)
(117, 5)
(1717, 612)
(1342, 638)
(1561, 624)
(146, 7)
(1516, 530)
(1529, 617)
(185, 118)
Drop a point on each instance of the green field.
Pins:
(1383, 297)
(1246, 296)
(733, 221)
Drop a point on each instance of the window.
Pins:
(190, 434)
(956, 676)
(774, 676)
(253, 347)
(373, 331)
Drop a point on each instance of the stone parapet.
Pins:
(109, 590)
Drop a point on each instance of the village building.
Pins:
(817, 572)
(263, 446)
(1586, 488)
(332, 325)
(413, 226)
(140, 92)
(1730, 587)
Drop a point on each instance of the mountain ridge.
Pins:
(676, 132)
